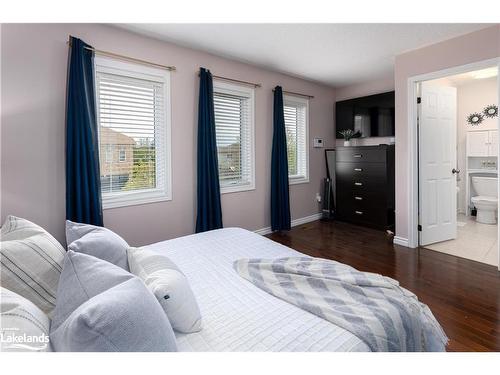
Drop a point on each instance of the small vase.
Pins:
(347, 143)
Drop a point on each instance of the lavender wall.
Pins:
(375, 86)
(34, 63)
(477, 46)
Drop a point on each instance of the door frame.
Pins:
(412, 198)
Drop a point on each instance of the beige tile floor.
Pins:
(475, 241)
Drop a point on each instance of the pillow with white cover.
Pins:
(97, 241)
(102, 308)
(170, 287)
(23, 326)
(31, 262)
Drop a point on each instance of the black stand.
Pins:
(328, 186)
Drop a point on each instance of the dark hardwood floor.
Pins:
(463, 295)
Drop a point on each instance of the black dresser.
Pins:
(365, 185)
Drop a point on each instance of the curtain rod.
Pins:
(133, 59)
(235, 80)
(297, 94)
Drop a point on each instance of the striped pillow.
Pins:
(23, 326)
(31, 262)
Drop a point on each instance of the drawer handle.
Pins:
(358, 212)
(358, 183)
(358, 169)
(357, 156)
(358, 198)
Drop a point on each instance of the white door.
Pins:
(493, 143)
(437, 163)
(477, 143)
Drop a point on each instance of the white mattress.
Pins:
(238, 316)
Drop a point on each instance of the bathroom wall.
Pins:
(472, 96)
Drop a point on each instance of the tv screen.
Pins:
(370, 116)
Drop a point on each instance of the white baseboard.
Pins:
(400, 241)
(294, 223)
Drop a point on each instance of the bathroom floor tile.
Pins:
(475, 241)
(491, 256)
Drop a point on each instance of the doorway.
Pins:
(457, 163)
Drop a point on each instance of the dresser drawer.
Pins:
(363, 213)
(361, 154)
(362, 200)
(361, 176)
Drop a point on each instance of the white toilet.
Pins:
(486, 202)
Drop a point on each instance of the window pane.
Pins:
(295, 112)
(291, 138)
(229, 119)
(129, 113)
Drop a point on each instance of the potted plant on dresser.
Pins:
(348, 134)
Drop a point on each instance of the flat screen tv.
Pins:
(370, 116)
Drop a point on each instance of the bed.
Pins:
(238, 316)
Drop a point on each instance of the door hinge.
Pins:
(419, 227)
(419, 100)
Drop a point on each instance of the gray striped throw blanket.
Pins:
(374, 308)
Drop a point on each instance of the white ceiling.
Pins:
(334, 54)
(469, 77)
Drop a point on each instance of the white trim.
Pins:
(298, 180)
(237, 188)
(294, 223)
(263, 231)
(400, 241)
(139, 71)
(134, 198)
(248, 92)
(412, 167)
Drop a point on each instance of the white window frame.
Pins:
(246, 91)
(163, 144)
(292, 100)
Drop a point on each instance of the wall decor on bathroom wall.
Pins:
(490, 111)
(475, 118)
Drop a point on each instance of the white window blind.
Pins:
(233, 106)
(296, 127)
(132, 113)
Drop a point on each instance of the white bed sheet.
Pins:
(238, 316)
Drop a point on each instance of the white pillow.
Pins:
(23, 326)
(170, 287)
(31, 262)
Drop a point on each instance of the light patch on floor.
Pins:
(475, 241)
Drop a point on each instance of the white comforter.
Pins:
(238, 316)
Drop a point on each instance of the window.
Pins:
(122, 156)
(296, 112)
(133, 112)
(108, 153)
(234, 127)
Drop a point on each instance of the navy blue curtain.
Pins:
(209, 215)
(83, 186)
(280, 200)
